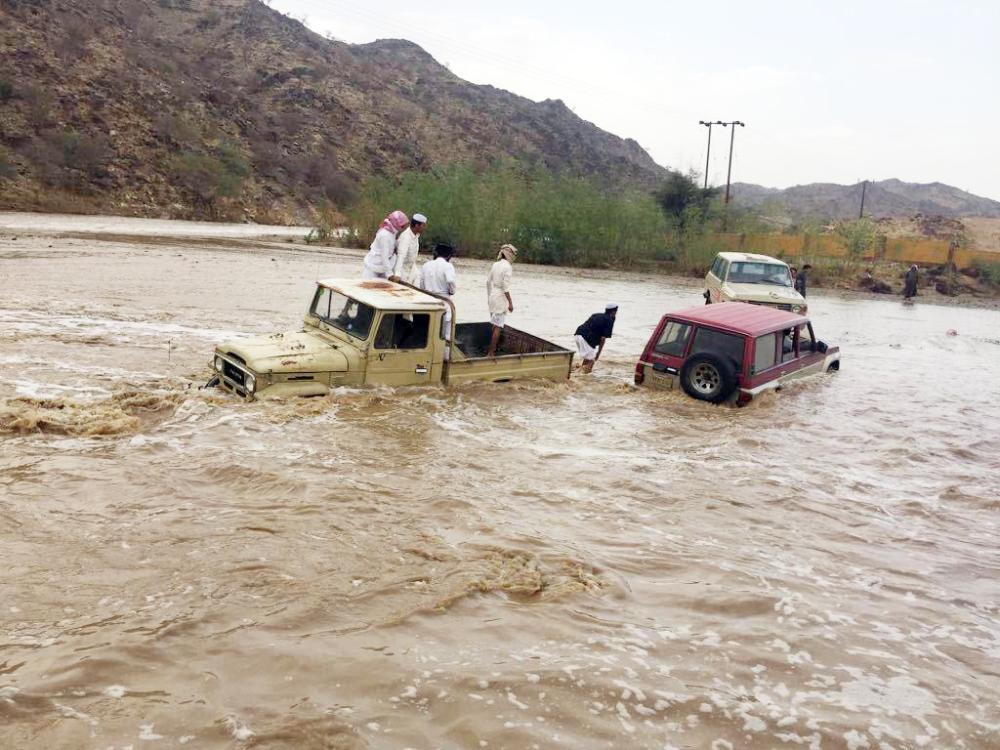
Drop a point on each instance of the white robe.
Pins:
(407, 248)
(381, 255)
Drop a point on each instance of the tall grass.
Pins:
(551, 219)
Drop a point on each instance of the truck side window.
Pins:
(764, 353)
(321, 304)
(717, 342)
(673, 340)
(402, 331)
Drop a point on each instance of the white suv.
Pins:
(757, 279)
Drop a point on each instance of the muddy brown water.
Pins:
(581, 565)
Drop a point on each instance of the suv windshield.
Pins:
(754, 272)
(342, 312)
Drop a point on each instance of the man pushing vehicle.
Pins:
(592, 333)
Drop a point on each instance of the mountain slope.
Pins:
(888, 198)
(211, 107)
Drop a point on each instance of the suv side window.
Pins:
(717, 342)
(723, 269)
(674, 339)
(764, 352)
(717, 267)
(402, 331)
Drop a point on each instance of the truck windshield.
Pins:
(342, 312)
(759, 273)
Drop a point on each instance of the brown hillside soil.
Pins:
(227, 109)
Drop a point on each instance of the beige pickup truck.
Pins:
(379, 333)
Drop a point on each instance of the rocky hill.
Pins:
(228, 108)
(885, 199)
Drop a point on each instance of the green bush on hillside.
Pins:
(551, 219)
(209, 177)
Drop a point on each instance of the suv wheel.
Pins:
(708, 377)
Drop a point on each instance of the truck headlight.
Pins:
(796, 308)
(250, 382)
(219, 364)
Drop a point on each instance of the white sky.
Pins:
(829, 91)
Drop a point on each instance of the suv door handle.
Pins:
(420, 370)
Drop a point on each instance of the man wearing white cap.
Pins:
(407, 247)
(592, 333)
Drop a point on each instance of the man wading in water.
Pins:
(592, 333)
(910, 282)
(498, 293)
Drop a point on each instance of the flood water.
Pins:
(580, 565)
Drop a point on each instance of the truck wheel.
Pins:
(708, 297)
(708, 377)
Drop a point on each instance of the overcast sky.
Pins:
(829, 92)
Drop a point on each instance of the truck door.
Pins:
(401, 351)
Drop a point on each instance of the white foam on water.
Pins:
(240, 730)
(115, 691)
(147, 734)
(72, 713)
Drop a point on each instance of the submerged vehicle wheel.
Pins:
(708, 377)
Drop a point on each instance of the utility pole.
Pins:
(861, 213)
(729, 172)
(732, 137)
(708, 151)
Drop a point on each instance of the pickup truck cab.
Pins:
(377, 332)
(757, 279)
(732, 352)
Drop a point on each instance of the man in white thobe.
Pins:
(438, 277)
(381, 256)
(498, 293)
(407, 248)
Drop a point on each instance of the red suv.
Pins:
(732, 352)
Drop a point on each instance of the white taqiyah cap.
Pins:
(611, 306)
(420, 218)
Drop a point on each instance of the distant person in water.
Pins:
(801, 279)
(498, 293)
(910, 283)
(591, 335)
(381, 255)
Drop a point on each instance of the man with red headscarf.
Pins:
(381, 255)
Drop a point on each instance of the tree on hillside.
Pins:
(682, 200)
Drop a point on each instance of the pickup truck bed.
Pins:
(519, 355)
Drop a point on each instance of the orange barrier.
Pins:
(894, 249)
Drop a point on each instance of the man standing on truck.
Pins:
(438, 277)
(592, 333)
(381, 255)
(407, 248)
(498, 293)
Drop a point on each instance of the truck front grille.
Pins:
(786, 308)
(234, 373)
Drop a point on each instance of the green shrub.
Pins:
(551, 219)
(7, 169)
(209, 177)
(989, 271)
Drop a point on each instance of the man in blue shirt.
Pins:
(592, 333)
